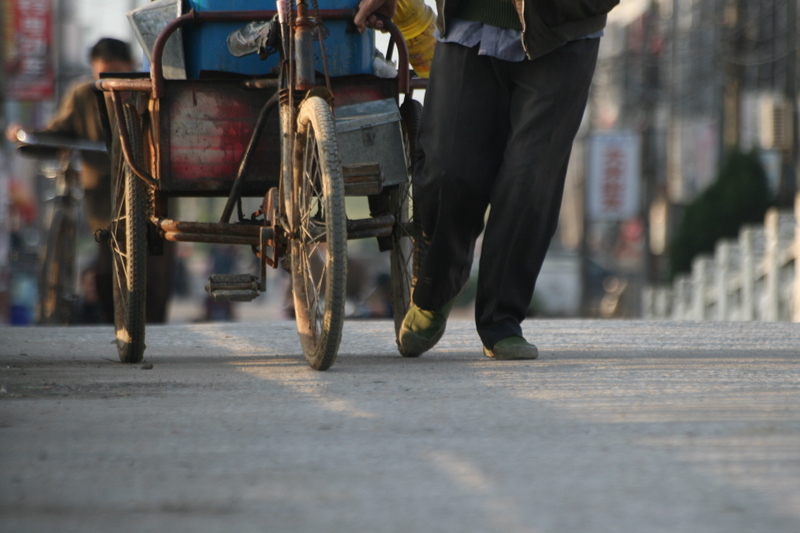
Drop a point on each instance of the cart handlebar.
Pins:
(44, 145)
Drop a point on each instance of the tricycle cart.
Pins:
(300, 139)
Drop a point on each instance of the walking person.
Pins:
(78, 117)
(508, 88)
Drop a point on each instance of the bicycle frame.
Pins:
(56, 277)
(297, 78)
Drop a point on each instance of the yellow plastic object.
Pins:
(416, 21)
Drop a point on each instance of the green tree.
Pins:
(740, 195)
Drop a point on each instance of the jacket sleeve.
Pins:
(558, 12)
(67, 119)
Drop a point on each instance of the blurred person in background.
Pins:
(79, 117)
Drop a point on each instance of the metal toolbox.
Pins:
(371, 133)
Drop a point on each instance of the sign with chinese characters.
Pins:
(613, 175)
(29, 55)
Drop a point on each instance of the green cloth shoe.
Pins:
(511, 349)
(422, 329)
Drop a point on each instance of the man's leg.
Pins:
(104, 280)
(547, 104)
(98, 214)
(462, 134)
(463, 130)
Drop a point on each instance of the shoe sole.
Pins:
(409, 344)
(512, 353)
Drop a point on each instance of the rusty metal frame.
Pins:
(250, 234)
(255, 235)
(156, 85)
(125, 143)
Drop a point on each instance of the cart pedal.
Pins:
(232, 287)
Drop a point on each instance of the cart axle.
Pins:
(210, 232)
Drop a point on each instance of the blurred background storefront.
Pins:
(679, 84)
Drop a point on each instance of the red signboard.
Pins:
(29, 59)
(614, 175)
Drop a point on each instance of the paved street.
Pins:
(620, 426)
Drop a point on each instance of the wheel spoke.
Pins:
(407, 246)
(311, 222)
(128, 244)
(319, 241)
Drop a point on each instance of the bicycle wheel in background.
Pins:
(57, 274)
(128, 241)
(319, 235)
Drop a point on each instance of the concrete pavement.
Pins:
(620, 426)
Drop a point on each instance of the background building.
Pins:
(682, 80)
(693, 79)
(44, 46)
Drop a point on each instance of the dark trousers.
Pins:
(495, 134)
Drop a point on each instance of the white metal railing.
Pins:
(754, 277)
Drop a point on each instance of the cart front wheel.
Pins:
(128, 240)
(319, 235)
(407, 244)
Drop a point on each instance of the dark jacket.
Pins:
(546, 24)
(79, 117)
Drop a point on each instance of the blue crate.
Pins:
(205, 46)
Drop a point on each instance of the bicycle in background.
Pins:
(57, 280)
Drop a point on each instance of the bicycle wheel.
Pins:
(318, 235)
(406, 252)
(128, 240)
(57, 275)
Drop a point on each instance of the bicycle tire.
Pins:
(57, 273)
(407, 251)
(128, 240)
(319, 235)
